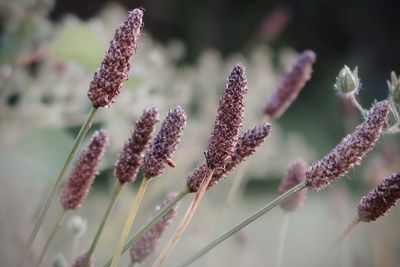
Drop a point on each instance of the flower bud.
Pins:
(394, 88)
(347, 82)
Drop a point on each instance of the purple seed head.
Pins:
(291, 85)
(147, 244)
(228, 121)
(80, 259)
(131, 157)
(247, 144)
(165, 143)
(350, 151)
(82, 176)
(108, 80)
(380, 200)
(295, 174)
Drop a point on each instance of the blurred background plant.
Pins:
(49, 51)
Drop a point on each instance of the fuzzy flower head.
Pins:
(246, 146)
(131, 157)
(82, 176)
(228, 121)
(380, 200)
(80, 259)
(350, 151)
(295, 174)
(347, 82)
(147, 244)
(108, 80)
(165, 143)
(291, 85)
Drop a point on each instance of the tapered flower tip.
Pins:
(295, 174)
(165, 143)
(131, 157)
(82, 175)
(228, 121)
(108, 80)
(380, 200)
(80, 260)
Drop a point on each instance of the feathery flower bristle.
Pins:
(131, 157)
(165, 143)
(108, 80)
(380, 200)
(80, 259)
(295, 174)
(82, 176)
(147, 244)
(228, 121)
(247, 144)
(293, 81)
(350, 151)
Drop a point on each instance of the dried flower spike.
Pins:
(80, 259)
(295, 174)
(247, 144)
(229, 120)
(147, 244)
(165, 143)
(108, 80)
(380, 200)
(131, 157)
(350, 151)
(82, 176)
(290, 87)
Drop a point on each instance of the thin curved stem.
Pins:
(345, 233)
(282, 239)
(60, 221)
(244, 223)
(129, 221)
(46, 205)
(186, 219)
(117, 191)
(150, 224)
(363, 112)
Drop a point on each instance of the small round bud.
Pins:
(347, 82)
(77, 226)
(394, 88)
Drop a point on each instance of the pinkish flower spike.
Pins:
(82, 175)
(80, 259)
(108, 80)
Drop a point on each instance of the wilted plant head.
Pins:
(80, 260)
(165, 143)
(380, 200)
(347, 82)
(295, 174)
(291, 85)
(147, 244)
(247, 144)
(82, 175)
(108, 80)
(229, 120)
(350, 151)
(131, 157)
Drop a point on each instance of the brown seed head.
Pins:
(165, 143)
(380, 200)
(295, 174)
(290, 87)
(147, 244)
(247, 144)
(108, 80)
(82, 175)
(80, 259)
(229, 120)
(350, 151)
(131, 157)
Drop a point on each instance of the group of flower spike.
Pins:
(226, 149)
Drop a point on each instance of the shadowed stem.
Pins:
(117, 191)
(129, 221)
(282, 239)
(42, 214)
(343, 236)
(246, 222)
(363, 112)
(186, 219)
(60, 221)
(152, 222)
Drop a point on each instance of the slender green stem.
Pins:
(246, 222)
(117, 191)
(150, 224)
(42, 214)
(363, 112)
(186, 219)
(282, 239)
(58, 224)
(129, 222)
